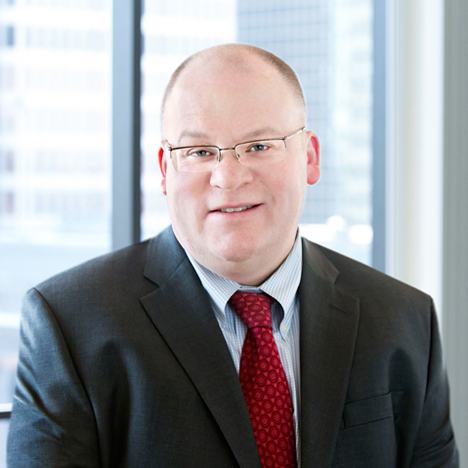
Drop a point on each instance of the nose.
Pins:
(230, 174)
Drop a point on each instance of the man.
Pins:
(229, 341)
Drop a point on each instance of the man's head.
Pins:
(221, 97)
(237, 55)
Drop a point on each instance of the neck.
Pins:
(248, 275)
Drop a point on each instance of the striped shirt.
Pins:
(282, 286)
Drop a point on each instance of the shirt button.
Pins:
(283, 329)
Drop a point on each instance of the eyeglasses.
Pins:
(249, 154)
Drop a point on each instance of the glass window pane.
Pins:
(173, 30)
(55, 118)
(329, 45)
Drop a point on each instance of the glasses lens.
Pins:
(261, 152)
(195, 159)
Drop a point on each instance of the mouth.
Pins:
(233, 210)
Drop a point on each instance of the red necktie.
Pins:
(264, 382)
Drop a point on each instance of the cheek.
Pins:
(290, 188)
(185, 197)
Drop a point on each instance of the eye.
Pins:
(255, 147)
(200, 152)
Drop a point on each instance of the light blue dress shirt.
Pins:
(282, 286)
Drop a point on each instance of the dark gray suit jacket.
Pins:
(122, 364)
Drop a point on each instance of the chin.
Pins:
(236, 252)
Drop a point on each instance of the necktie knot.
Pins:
(254, 309)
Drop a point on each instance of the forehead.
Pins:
(212, 94)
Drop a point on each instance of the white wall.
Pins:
(428, 172)
(415, 144)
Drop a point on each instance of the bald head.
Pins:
(237, 59)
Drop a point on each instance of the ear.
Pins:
(313, 158)
(163, 167)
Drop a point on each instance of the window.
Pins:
(174, 41)
(10, 36)
(55, 101)
(55, 151)
(329, 45)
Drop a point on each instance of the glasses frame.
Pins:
(219, 156)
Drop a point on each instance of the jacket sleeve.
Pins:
(435, 444)
(52, 422)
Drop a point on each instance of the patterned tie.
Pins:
(264, 383)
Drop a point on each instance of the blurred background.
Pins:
(81, 82)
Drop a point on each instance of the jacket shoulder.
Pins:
(112, 263)
(368, 283)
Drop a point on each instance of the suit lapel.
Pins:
(181, 311)
(329, 322)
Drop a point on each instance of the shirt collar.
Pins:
(282, 285)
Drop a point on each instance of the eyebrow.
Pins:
(193, 134)
(261, 132)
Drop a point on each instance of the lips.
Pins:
(232, 210)
(237, 208)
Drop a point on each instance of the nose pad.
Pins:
(230, 176)
(234, 154)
